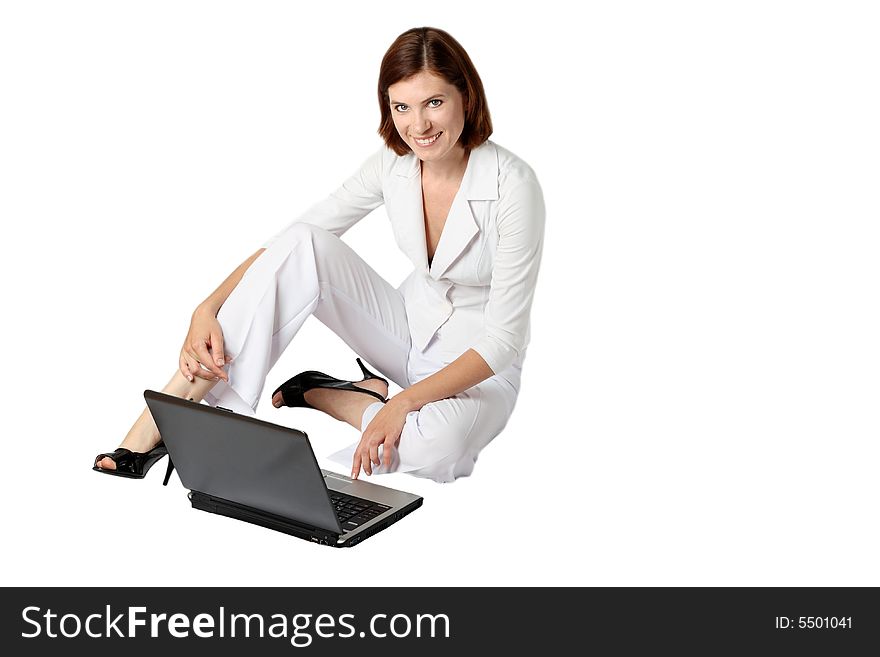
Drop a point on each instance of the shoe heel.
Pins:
(367, 373)
(168, 471)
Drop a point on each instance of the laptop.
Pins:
(267, 474)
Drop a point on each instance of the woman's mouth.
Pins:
(428, 140)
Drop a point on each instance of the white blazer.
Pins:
(477, 293)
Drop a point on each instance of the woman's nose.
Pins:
(421, 124)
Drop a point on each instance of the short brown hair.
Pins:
(433, 50)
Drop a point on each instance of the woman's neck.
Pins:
(450, 168)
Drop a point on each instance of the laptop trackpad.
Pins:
(337, 483)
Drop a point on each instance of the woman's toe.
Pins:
(277, 400)
(107, 463)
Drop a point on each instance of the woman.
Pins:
(470, 216)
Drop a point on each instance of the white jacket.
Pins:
(478, 291)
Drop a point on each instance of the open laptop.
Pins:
(268, 475)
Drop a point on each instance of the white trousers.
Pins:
(309, 271)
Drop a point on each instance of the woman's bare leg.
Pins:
(344, 405)
(144, 435)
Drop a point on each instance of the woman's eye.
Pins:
(431, 103)
(401, 108)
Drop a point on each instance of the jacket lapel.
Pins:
(458, 231)
(480, 183)
(404, 207)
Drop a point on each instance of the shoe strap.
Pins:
(121, 456)
(115, 454)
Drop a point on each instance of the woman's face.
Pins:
(428, 113)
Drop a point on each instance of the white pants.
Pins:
(310, 271)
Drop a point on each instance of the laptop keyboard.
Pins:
(354, 511)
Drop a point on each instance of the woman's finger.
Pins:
(386, 451)
(187, 364)
(197, 370)
(355, 463)
(184, 368)
(365, 463)
(217, 348)
(202, 355)
(374, 454)
(359, 459)
(190, 354)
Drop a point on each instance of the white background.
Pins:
(699, 403)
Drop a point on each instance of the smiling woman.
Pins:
(470, 216)
(432, 128)
(422, 123)
(454, 78)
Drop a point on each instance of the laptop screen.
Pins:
(243, 459)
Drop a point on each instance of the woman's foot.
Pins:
(344, 405)
(142, 437)
(144, 434)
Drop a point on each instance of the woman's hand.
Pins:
(203, 346)
(384, 430)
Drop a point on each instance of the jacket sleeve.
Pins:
(517, 260)
(354, 200)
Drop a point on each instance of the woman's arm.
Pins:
(463, 373)
(218, 297)
(514, 275)
(202, 354)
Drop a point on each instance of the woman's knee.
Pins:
(299, 253)
(302, 232)
(448, 435)
(440, 431)
(322, 245)
(318, 236)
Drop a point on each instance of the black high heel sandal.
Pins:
(293, 390)
(135, 465)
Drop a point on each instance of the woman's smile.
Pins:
(427, 141)
(428, 113)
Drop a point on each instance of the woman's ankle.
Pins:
(143, 435)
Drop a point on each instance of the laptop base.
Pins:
(212, 504)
